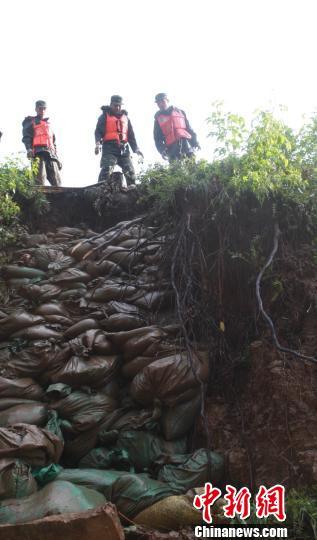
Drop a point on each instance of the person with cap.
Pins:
(39, 141)
(173, 136)
(115, 133)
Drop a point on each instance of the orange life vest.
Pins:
(116, 129)
(42, 134)
(173, 126)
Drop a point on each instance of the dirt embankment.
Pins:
(260, 403)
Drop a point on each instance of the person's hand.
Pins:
(59, 165)
(97, 149)
(139, 153)
(164, 154)
(29, 153)
(197, 146)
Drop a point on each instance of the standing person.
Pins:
(173, 136)
(39, 141)
(115, 133)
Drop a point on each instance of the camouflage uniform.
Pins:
(114, 153)
(47, 168)
(48, 163)
(109, 161)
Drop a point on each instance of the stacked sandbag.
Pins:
(89, 375)
(54, 499)
(16, 479)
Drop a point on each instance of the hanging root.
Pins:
(267, 318)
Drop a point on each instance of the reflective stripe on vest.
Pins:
(42, 134)
(116, 129)
(173, 126)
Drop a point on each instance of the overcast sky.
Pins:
(76, 54)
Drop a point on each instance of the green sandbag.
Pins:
(54, 424)
(16, 479)
(177, 421)
(55, 498)
(101, 481)
(45, 475)
(188, 471)
(144, 448)
(132, 493)
(103, 458)
(14, 271)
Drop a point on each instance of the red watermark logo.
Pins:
(268, 502)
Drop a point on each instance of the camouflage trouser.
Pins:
(179, 150)
(108, 163)
(47, 168)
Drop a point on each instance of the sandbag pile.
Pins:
(91, 376)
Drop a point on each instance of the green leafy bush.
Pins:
(15, 177)
(268, 160)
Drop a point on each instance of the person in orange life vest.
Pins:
(115, 133)
(39, 141)
(173, 136)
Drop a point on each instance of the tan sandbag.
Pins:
(20, 388)
(59, 319)
(80, 250)
(8, 402)
(93, 371)
(153, 259)
(114, 307)
(18, 320)
(84, 411)
(36, 446)
(71, 231)
(40, 293)
(43, 357)
(71, 275)
(132, 243)
(37, 332)
(144, 337)
(138, 345)
(31, 240)
(81, 327)
(16, 283)
(110, 292)
(97, 342)
(169, 514)
(28, 413)
(96, 269)
(51, 259)
(16, 480)
(121, 321)
(133, 367)
(120, 255)
(152, 300)
(71, 294)
(51, 308)
(170, 379)
(99, 524)
(92, 341)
